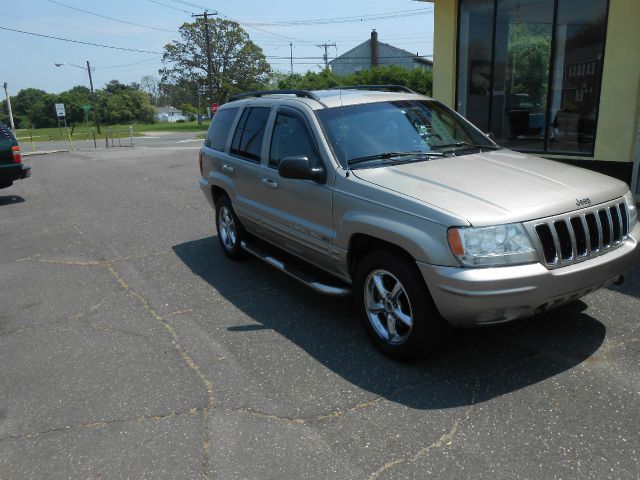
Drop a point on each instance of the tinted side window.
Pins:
(219, 129)
(247, 140)
(291, 138)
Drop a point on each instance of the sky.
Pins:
(148, 25)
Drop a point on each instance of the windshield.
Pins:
(372, 130)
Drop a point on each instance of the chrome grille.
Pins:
(577, 236)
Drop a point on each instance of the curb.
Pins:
(45, 152)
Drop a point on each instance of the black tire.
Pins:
(407, 327)
(230, 231)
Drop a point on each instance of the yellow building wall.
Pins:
(445, 39)
(620, 97)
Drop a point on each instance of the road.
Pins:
(132, 348)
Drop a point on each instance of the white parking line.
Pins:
(191, 140)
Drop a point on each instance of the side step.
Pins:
(305, 274)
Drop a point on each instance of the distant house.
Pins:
(170, 114)
(373, 53)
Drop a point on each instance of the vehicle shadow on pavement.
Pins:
(631, 285)
(9, 199)
(477, 365)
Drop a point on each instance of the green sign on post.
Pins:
(86, 107)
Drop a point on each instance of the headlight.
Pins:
(633, 211)
(491, 246)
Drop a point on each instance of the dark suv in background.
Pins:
(11, 166)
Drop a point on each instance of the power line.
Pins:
(110, 18)
(170, 6)
(190, 4)
(359, 18)
(79, 41)
(148, 60)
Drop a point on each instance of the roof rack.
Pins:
(262, 93)
(382, 88)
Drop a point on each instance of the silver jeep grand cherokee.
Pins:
(395, 196)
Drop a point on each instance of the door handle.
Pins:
(267, 182)
(227, 168)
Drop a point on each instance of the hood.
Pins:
(497, 187)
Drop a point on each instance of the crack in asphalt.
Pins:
(444, 441)
(186, 358)
(104, 423)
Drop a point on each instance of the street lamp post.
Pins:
(93, 93)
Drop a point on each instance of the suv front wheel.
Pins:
(395, 306)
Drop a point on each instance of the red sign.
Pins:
(214, 108)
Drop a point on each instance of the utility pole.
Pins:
(93, 98)
(291, 47)
(6, 93)
(199, 107)
(326, 55)
(205, 15)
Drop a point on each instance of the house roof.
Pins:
(168, 109)
(367, 43)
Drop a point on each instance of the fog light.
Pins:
(490, 316)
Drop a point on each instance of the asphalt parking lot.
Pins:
(130, 347)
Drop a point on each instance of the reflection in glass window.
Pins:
(474, 72)
(220, 128)
(247, 139)
(521, 76)
(580, 36)
(359, 131)
(506, 50)
(291, 138)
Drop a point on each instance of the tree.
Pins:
(74, 100)
(35, 105)
(237, 63)
(416, 79)
(149, 84)
(119, 103)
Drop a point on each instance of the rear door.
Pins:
(296, 213)
(243, 164)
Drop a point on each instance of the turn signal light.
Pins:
(16, 154)
(455, 242)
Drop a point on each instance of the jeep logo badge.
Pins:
(581, 202)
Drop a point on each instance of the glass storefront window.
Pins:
(579, 55)
(474, 71)
(529, 71)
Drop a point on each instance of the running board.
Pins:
(300, 271)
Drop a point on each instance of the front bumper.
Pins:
(475, 296)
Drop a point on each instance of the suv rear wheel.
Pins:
(230, 231)
(395, 307)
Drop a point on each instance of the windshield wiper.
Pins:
(467, 144)
(387, 155)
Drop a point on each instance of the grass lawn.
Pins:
(114, 131)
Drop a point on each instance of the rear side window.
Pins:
(291, 138)
(220, 128)
(247, 139)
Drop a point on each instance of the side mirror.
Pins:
(300, 168)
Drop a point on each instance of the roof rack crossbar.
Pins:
(383, 88)
(262, 93)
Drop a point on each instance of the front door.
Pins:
(297, 213)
